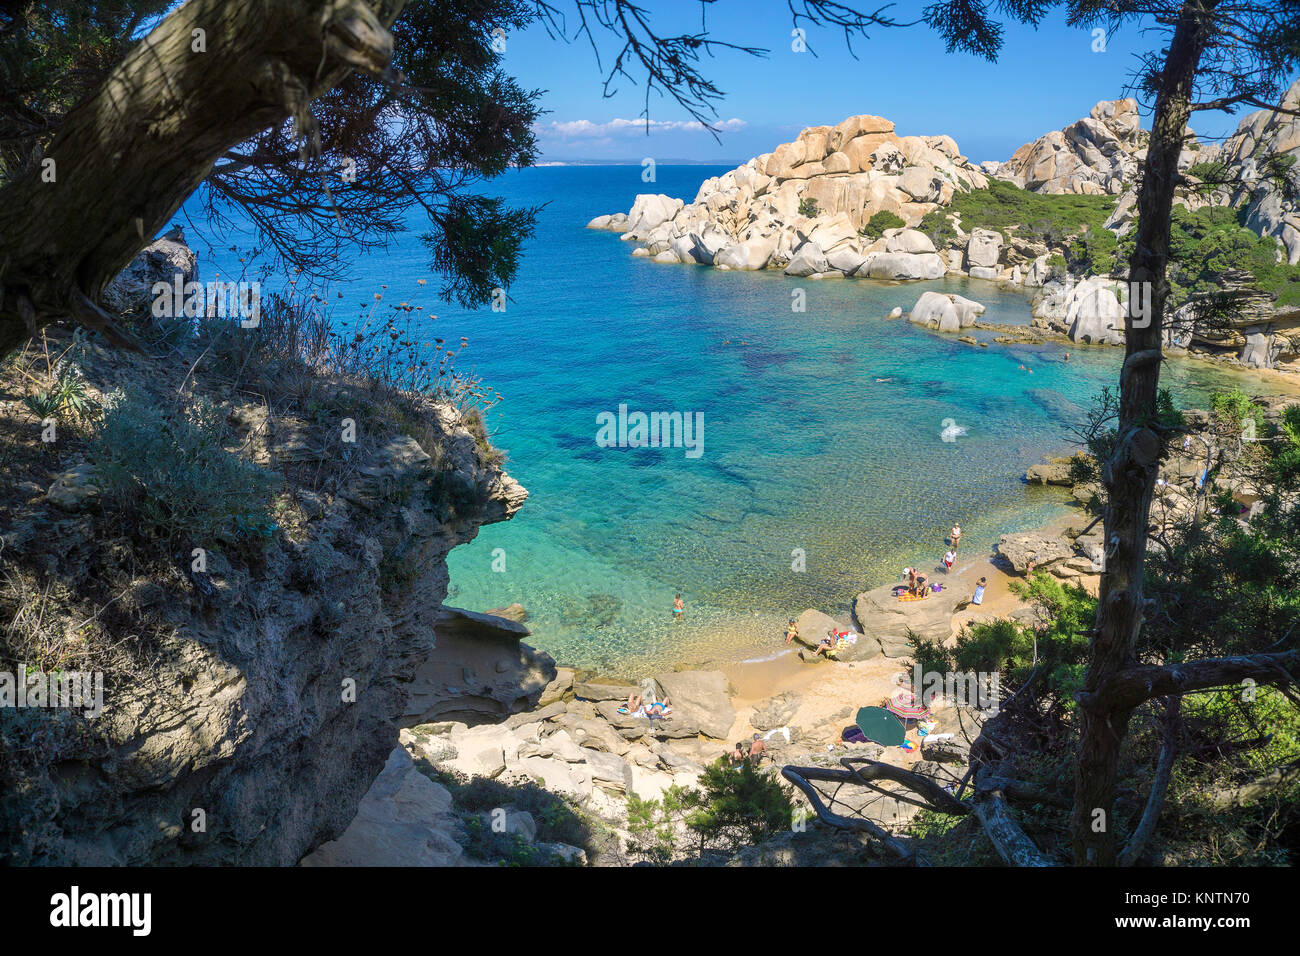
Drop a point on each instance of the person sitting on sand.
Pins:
(791, 631)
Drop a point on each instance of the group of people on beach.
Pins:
(918, 586)
(918, 582)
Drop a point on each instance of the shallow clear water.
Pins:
(804, 447)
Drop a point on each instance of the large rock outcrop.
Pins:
(801, 206)
(887, 622)
(1098, 154)
(166, 259)
(1268, 209)
(945, 312)
(480, 670)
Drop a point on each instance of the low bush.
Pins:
(878, 223)
(171, 470)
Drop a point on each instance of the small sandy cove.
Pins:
(827, 689)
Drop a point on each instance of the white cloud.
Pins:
(586, 130)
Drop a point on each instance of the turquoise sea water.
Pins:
(821, 432)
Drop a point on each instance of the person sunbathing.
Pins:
(638, 706)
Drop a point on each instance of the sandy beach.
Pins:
(830, 692)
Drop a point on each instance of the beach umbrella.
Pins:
(881, 726)
(905, 705)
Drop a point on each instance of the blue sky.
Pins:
(1043, 80)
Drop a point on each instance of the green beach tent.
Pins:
(881, 726)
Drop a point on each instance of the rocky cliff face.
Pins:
(266, 688)
(1271, 209)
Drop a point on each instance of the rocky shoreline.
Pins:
(810, 208)
(568, 735)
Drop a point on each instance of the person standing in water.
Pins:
(955, 536)
(679, 608)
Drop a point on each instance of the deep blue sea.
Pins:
(821, 430)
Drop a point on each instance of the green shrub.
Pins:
(654, 824)
(878, 223)
(1212, 175)
(1210, 249)
(735, 806)
(1060, 646)
(1004, 207)
(1084, 468)
(172, 469)
(1093, 252)
(66, 396)
(808, 208)
(740, 806)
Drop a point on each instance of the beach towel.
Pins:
(642, 712)
(911, 597)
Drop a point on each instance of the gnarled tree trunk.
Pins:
(1130, 473)
(213, 74)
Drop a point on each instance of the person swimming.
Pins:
(679, 608)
